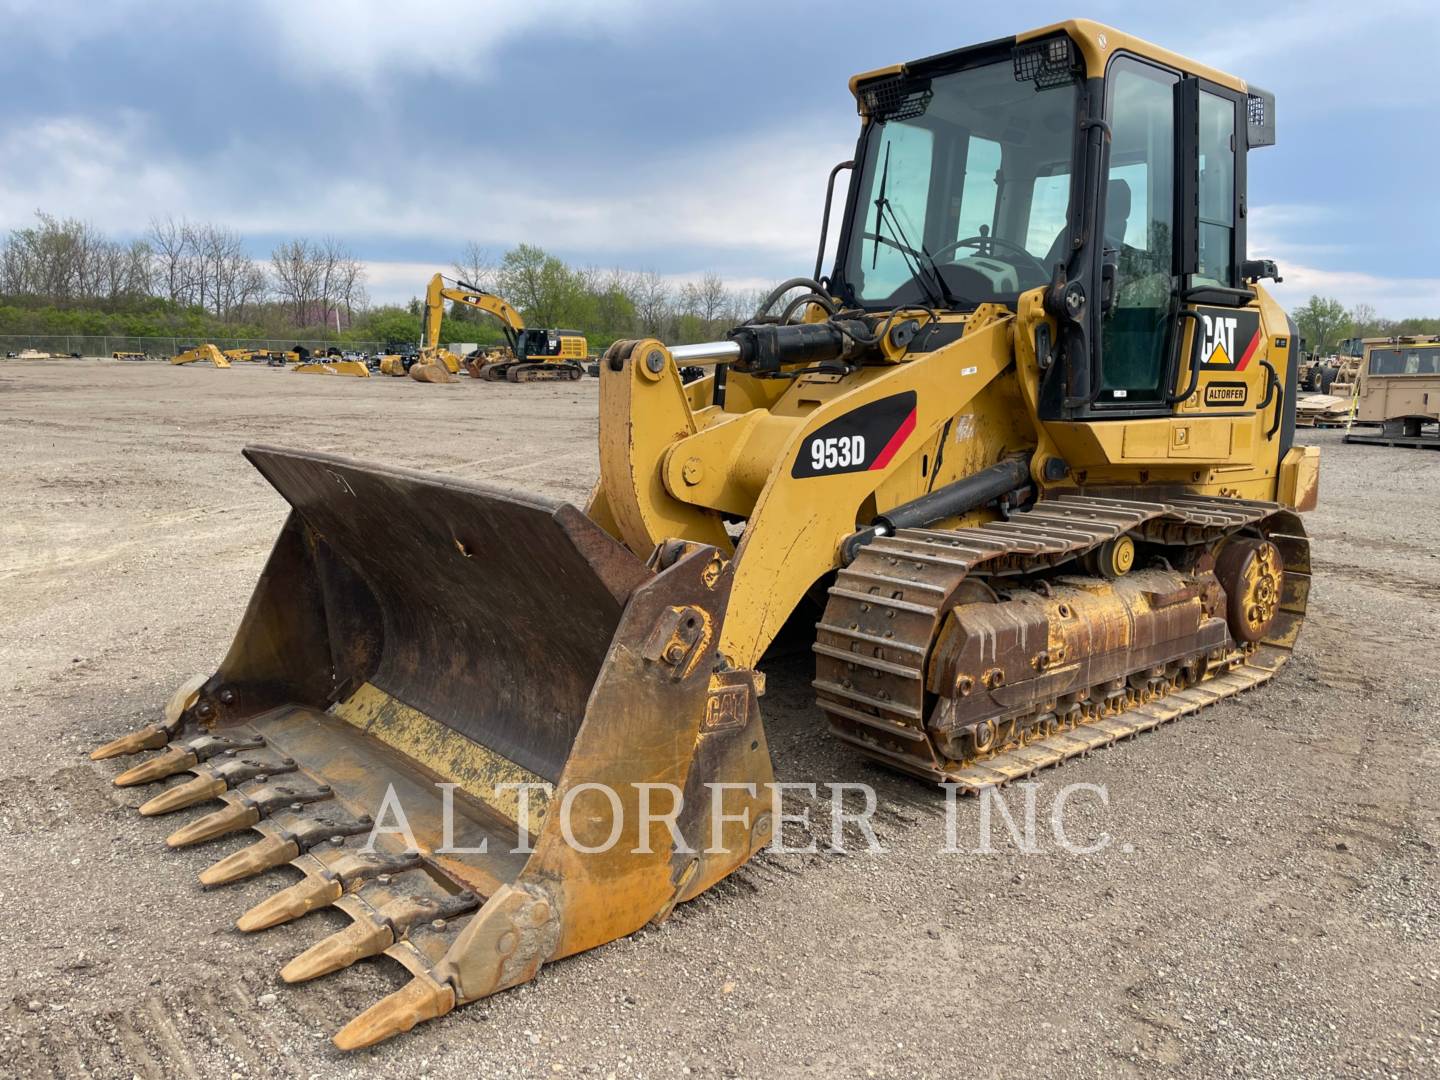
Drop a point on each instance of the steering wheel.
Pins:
(980, 241)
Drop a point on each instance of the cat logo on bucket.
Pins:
(1228, 338)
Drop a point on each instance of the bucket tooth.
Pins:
(150, 737)
(232, 818)
(356, 942)
(288, 842)
(174, 760)
(265, 854)
(201, 789)
(154, 736)
(217, 776)
(422, 999)
(246, 807)
(299, 899)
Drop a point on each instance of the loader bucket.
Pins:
(450, 708)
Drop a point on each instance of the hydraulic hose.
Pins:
(780, 290)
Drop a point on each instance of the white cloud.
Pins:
(1300, 238)
(750, 204)
(370, 42)
(1392, 298)
(74, 167)
(1334, 52)
(756, 195)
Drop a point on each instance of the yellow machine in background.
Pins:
(333, 366)
(1026, 463)
(531, 355)
(197, 353)
(434, 364)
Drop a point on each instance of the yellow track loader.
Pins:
(198, 353)
(1028, 449)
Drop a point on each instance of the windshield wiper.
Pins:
(936, 291)
(880, 204)
(938, 296)
(945, 292)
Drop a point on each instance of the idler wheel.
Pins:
(1252, 573)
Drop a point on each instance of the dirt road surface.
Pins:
(1267, 903)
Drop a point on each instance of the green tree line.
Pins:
(1324, 322)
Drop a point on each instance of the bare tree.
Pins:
(318, 281)
(170, 241)
(296, 269)
(705, 305)
(222, 263)
(1364, 321)
(123, 271)
(653, 307)
(713, 298)
(66, 260)
(478, 267)
(205, 265)
(341, 280)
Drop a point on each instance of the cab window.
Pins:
(1216, 233)
(1049, 206)
(904, 157)
(980, 190)
(1139, 232)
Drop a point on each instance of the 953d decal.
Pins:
(864, 439)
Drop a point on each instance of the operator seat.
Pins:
(1117, 220)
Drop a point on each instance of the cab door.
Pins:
(1223, 364)
(1139, 257)
(1180, 339)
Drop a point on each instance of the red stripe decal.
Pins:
(1249, 351)
(896, 441)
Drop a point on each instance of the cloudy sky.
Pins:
(669, 135)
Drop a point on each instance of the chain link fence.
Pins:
(161, 347)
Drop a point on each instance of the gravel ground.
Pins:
(1268, 902)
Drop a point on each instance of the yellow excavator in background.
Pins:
(1028, 449)
(530, 355)
(198, 353)
(434, 363)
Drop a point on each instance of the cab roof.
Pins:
(1097, 43)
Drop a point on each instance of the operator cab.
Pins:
(536, 342)
(1076, 160)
